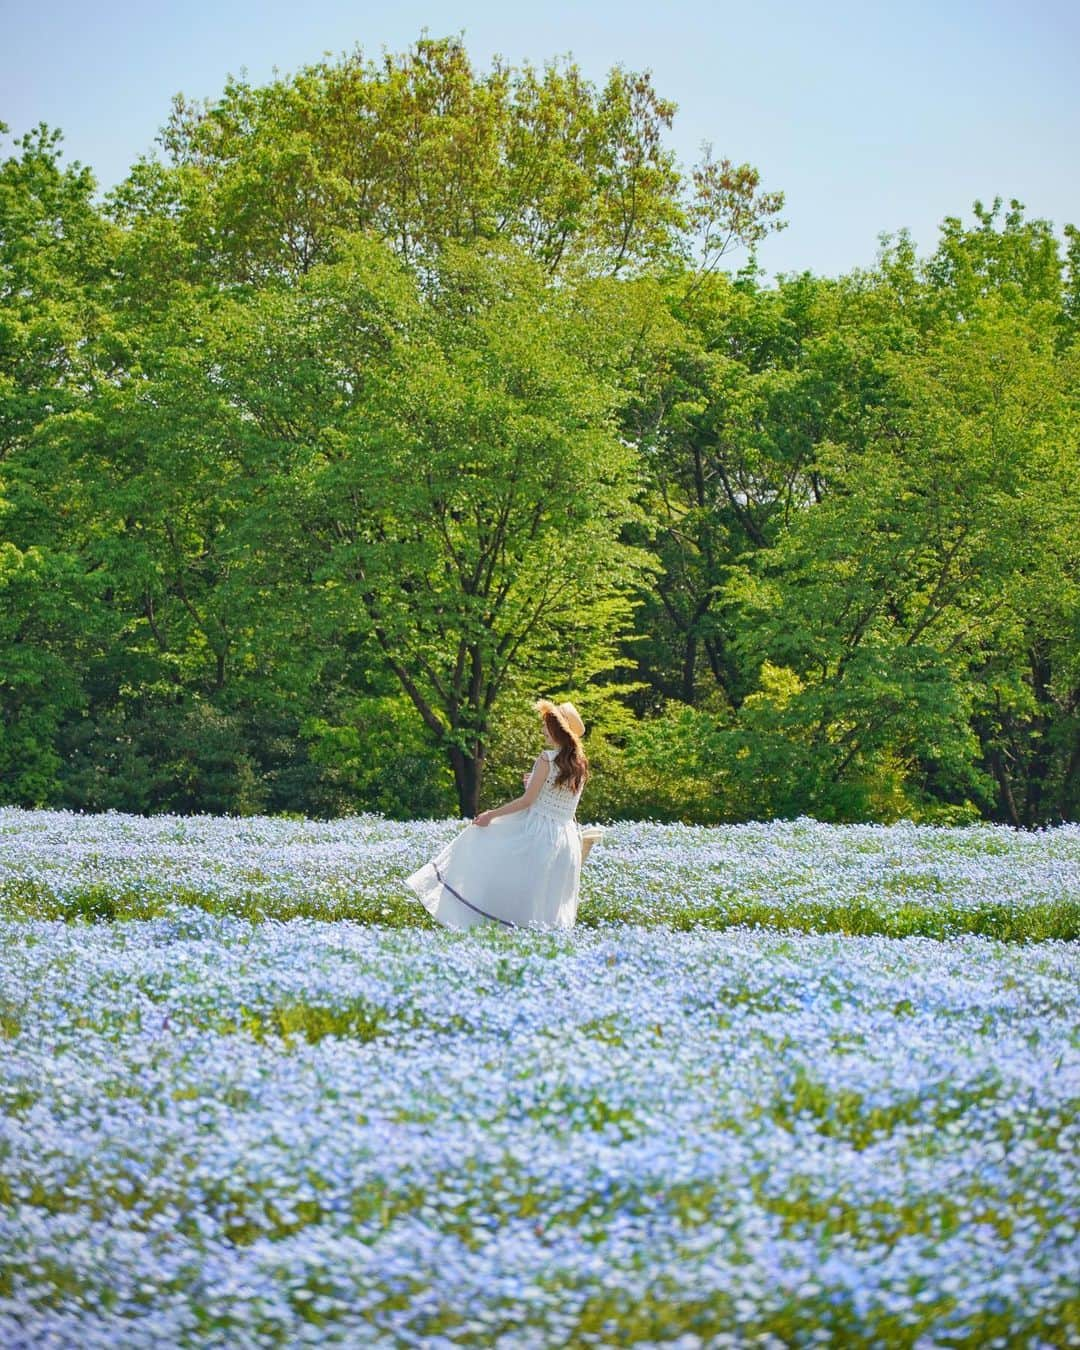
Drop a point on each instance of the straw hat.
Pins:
(565, 714)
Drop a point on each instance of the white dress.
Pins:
(520, 870)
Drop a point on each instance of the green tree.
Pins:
(420, 148)
(893, 599)
(429, 471)
(55, 248)
(471, 502)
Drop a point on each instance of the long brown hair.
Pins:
(571, 762)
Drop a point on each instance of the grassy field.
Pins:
(785, 1084)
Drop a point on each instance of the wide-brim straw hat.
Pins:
(565, 714)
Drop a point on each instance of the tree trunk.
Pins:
(689, 667)
(1070, 800)
(1001, 773)
(721, 669)
(468, 774)
(1042, 748)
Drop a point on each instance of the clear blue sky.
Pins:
(867, 116)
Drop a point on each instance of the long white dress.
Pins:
(522, 870)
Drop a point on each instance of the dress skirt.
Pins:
(522, 870)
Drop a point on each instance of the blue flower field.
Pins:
(785, 1084)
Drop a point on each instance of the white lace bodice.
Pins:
(558, 802)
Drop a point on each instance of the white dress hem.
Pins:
(523, 870)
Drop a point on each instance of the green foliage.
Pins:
(321, 458)
(264, 177)
(37, 685)
(380, 760)
(889, 595)
(359, 1020)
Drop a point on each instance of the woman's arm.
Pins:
(536, 782)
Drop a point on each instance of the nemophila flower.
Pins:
(803, 874)
(223, 1129)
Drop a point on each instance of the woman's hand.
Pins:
(484, 818)
(525, 778)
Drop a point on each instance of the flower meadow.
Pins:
(785, 1084)
(898, 880)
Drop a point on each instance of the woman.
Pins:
(520, 864)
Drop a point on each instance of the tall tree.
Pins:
(55, 333)
(472, 502)
(420, 148)
(893, 601)
(428, 467)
